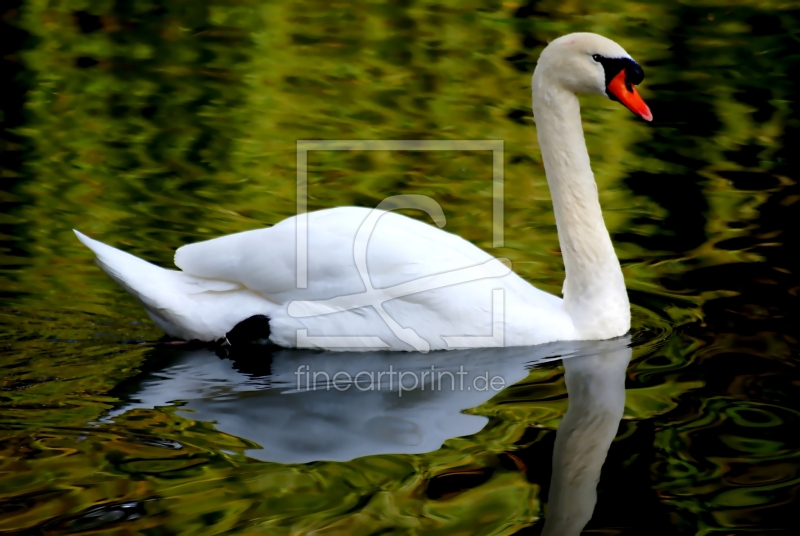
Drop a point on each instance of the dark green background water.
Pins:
(151, 124)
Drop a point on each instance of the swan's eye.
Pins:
(596, 57)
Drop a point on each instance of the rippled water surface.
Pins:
(154, 123)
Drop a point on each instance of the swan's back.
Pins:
(399, 249)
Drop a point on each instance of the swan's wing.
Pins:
(399, 250)
(412, 263)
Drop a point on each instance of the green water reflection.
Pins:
(150, 124)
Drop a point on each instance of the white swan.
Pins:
(378, 280)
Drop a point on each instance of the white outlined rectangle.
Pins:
(304, 146)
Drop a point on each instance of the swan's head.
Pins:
(591, 63)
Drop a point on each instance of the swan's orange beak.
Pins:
(626, 93)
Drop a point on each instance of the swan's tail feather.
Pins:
(181, 304)
(137, 276)
(152, 286)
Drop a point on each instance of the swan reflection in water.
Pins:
(309, 406)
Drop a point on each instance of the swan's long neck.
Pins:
(594, 289)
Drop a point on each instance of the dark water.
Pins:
(151, 124)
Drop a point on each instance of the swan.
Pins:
(371, 279)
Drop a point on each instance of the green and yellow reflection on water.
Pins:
(154, 124)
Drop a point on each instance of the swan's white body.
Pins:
(229, 279)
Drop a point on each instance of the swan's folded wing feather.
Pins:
(400, 249)
(219, 258)
(261, 260)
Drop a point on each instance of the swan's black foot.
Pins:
(254, 330)
(251, 332)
